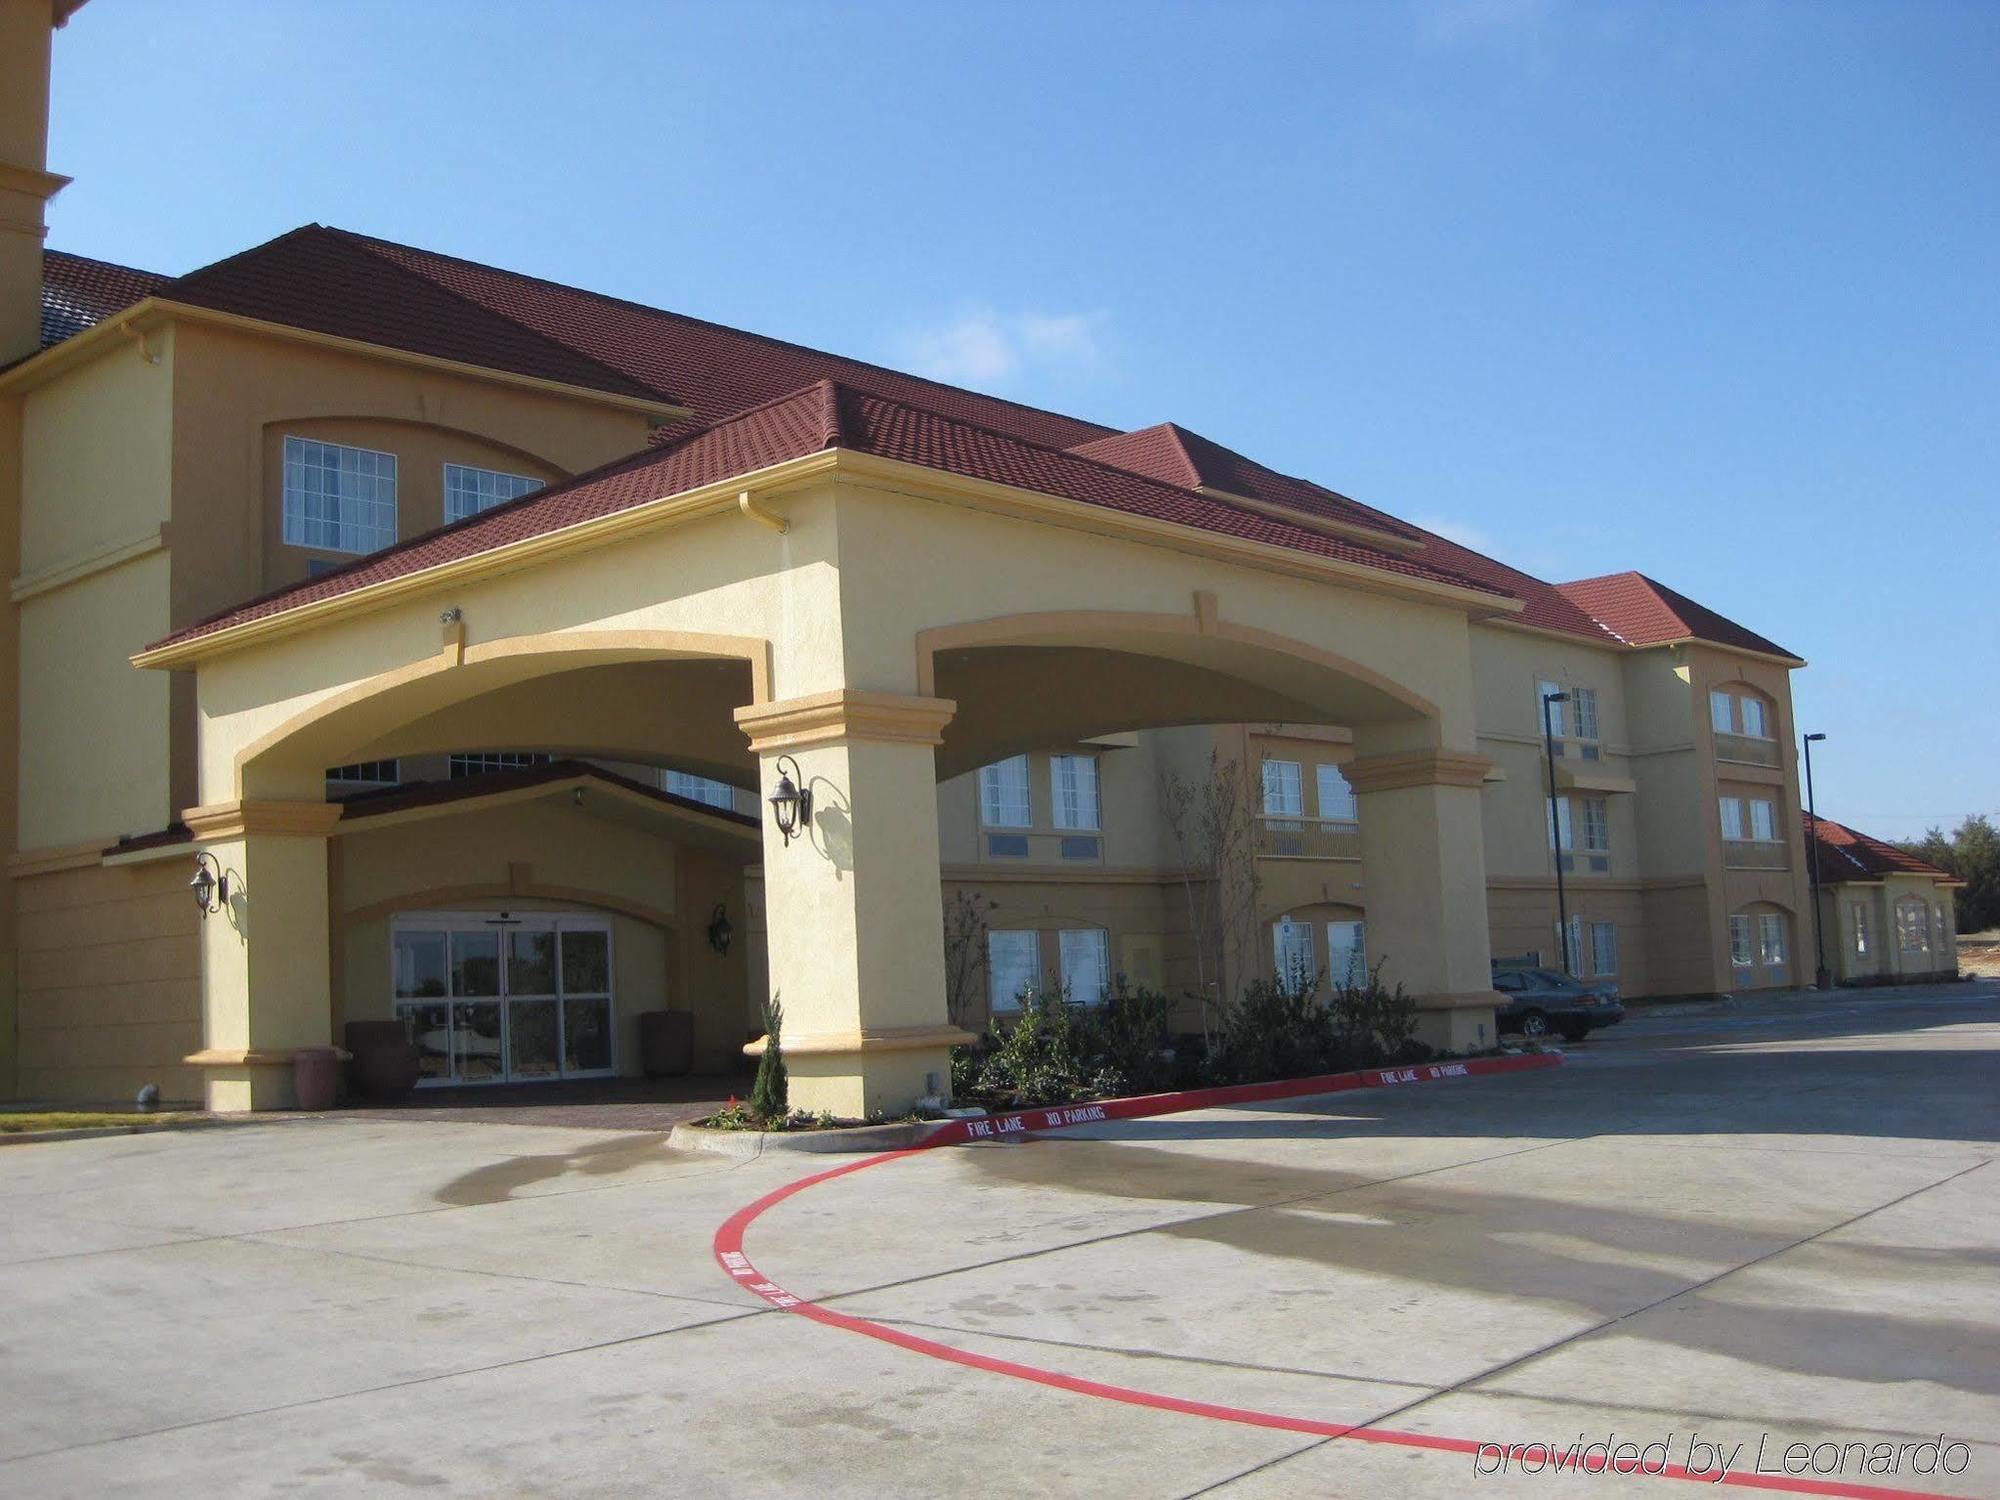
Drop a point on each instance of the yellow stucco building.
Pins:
(463, 623)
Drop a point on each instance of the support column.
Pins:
(852, 906)
(265, 972)
(1423, 851)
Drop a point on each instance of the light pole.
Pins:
(1820, 976)
(1555, 828)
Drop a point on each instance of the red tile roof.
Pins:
(1644, 612)
(823, 415)
(78, 292)
(1845, 854)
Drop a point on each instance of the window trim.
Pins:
(1058, 764)
(1010, 1005)
(445, 488)
(293, 525)
(1102, 944)
(991, 772)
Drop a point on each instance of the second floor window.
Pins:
(1584, 702)
(1073, 791)
(1557, 714)
(1337, 802)
(468, 491)
(1284, 796)
(1003, 794)
(338, 499)
(1752, 711)
(1764, 821)
(1594, 813)
(701, 789)
(479, 762)
(1732, 817)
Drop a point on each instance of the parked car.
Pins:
(1539, 1001)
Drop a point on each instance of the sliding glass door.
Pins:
(499, 997)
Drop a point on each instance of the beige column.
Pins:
(1424, 853)
(852, 906)
(265, 985)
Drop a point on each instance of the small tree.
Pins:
(964, 958)
(1208, 820)
(768, 1090)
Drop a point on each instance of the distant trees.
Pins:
(1972, 853)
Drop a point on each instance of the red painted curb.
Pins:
(729, 1254)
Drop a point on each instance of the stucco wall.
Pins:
(110, 982)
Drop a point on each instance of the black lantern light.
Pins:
(792, 800)
(210, 884)
(719, 930)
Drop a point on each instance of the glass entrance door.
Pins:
(493, 998)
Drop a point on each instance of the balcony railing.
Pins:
(1308, 838)
(1754, 854)
(1747, 748)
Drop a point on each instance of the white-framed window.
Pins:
(1557, 721)
(1913, 926)
(1754, 722)
(1603, 948)
(1347, 952)
(1764, 820)
(1003, 794)
(1596, 825)
(468, 491)
(1858, 919)
(1292, 952)
(1732, 817)
(1941, 928)
(1337, 801)
(703, 789)
(1085, 953)
(338, 499)
(1739, 941)
(1562, 835)
(1073, 792)
(1721, 712)
(1013, 966)
(1284, 794)
(1771, 939)
(479, 762)
(1584, 701)
(366, 773)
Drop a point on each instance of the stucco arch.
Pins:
(1119, 670)
(364, 719)
(349, 411)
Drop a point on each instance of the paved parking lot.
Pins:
(1779, 1225)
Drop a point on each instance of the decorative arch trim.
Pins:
(446, 896)
(288, 425)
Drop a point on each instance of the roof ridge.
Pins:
(665, 312)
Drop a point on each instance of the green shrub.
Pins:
(1043, 1056)
(1275, 1030)
(769, 1089)
(1373, 1024)
(1127, 1036)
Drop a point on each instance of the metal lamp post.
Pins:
(1555, 829)
(1821, 979)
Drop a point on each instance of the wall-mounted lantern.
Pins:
(210, 884)
(792, 801)
(719, 930)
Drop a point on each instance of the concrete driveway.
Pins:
(1779, 1225)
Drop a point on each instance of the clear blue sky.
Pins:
(1707, 290)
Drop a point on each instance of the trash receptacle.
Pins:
(666, 1043)
(316, 1076)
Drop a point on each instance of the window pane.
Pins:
(1086, 964)
(1771, 937)
(475, 1040)
(1283, 794)
(1603, 948)
(701, 789)
(1003, 794)
(1753, 717)
(1013, 964)
(419, 965)
(531, 963)
(1557, 720)
(1596, 824)
(1347, 952)
(1336, 797)
(1732, 817)
(1560, 832)
(1763, 820)
(1584, 700)
(429, 1025)
(1860, 920)
(1292, 951)
(586, 962)
(468, 491)
(475, 964)
(586, 1035)
(531, 1039)
(1719, 714)
(338, 499)
(1073, 780)
(479, 762)
(1739, 941)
